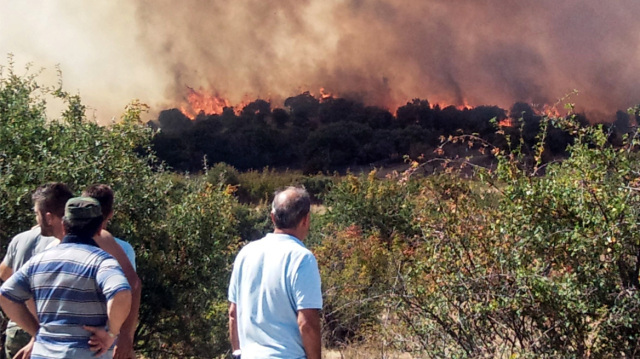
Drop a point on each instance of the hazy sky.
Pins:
(384, 52)
(96, 45)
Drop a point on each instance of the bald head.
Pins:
(289, 207)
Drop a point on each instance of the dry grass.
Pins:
(363, 353)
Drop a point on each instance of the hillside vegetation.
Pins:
(530, 258)
(332, 134)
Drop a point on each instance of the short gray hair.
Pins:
(290, 206)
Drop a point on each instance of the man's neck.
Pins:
(72, 238)
(291, 232)
(46, 231)
(51, 232)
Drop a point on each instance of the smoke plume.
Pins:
(384, 52)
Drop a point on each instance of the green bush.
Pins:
(372, 205)
(184, 230)
(257, 187)
(188, 263)
(359, 243)
(222, 173)
(551, 271)
(358, 274)
(530, 259)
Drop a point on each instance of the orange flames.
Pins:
(324, 95)
(443, 104)
(465, 105)
(209, 104)
(200, 101)
(507, 122)
(550, 111)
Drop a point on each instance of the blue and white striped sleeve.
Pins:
(111, 278)
(18, 287)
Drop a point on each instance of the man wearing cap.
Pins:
(48, 206)
(124, 254)
(82, 296)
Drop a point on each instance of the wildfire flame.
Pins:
(443, 104)
(199, 101)
(465, 105)
(324, 95)
(550, 111)
(507, 122)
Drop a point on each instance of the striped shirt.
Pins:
(71, 284)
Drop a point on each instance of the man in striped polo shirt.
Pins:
(82, 296)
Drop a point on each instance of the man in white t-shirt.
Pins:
(274, 292)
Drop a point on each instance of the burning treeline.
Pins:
(374, 57)
(386, 52)
(327, 133)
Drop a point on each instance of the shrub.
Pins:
(530, 259)
(184, 231)
(357, 273)
(372, 205)
(188, 266)
(359, 244)
(550, 271)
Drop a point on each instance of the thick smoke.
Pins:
(384, 52)
(95, 45)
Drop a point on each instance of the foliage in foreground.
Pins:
(512, 264)
(184, 232)
(528, 260)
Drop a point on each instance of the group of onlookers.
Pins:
(70, 288)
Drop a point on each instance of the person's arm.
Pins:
(25, 352)
(124, 347)
(233, 327)
(6, 267)
(5, 272)
(309, 325)
(308, 293)
(19, 313)
(31, 305)
(14, 294)
(118, 308)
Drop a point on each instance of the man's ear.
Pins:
(48, 218)
(307, 219)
